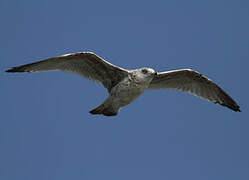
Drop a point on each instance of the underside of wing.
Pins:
(193, 82)
(86, 64)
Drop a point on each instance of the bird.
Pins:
(124, 85)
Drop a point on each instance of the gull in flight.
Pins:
(124, 86)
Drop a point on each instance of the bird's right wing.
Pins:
(193, 82)
(86, 64)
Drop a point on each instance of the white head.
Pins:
(143, 74)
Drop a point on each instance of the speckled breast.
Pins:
(127, 91)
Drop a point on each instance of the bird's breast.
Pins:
(127, 91)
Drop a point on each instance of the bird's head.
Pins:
(144, 74)
(147, 72)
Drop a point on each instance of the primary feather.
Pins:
(195, 83)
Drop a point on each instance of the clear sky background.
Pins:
(46, 132)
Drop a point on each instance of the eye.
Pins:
(145, 71)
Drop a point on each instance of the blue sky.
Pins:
(46, 131)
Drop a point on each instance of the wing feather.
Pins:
(193, 82)
(86, 64)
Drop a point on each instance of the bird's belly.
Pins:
(128, 96)
(127, 93)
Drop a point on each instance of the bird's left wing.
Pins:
(86, 64)
(193, 82)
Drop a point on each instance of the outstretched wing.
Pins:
(86, 64)
(194, 83)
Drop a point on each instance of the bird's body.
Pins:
(126, 91)
(124, 86)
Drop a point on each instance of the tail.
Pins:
(106, 108)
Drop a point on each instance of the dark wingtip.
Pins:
(236, 108)
(233, 106)
(9, 70)
(14, 69)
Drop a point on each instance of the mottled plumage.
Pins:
(124, 86)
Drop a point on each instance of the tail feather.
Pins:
(98, 110)
(106, 109)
